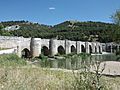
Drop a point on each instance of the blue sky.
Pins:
(55, 11)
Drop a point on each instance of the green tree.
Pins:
(116, 17)
(116, 20)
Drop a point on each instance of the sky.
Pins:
(52, 12)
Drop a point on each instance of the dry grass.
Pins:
(15, 74)
(112, 83)
(34, 79)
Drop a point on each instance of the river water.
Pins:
(75, 62)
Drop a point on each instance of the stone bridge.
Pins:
(33, 47)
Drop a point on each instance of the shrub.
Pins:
(11, 60)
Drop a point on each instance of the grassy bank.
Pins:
(29, 78)
(11, 60)
(34, 79)
(16, 74)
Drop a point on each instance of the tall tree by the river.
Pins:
(116, 20)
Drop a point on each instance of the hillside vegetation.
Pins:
(72, 30)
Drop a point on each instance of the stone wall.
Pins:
(11, 42)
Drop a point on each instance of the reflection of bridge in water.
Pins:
(28, 47)
(75, 62)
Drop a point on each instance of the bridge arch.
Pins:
(108, 48)
(45, 50)
(99, 49)
(61, 50)
(25, 53)
(90, 48)
(95, 49)
(83, 50)
(73, 49)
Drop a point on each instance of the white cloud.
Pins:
(51, 8)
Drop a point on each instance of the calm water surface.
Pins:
(75, 62)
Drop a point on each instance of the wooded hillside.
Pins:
(72, 30)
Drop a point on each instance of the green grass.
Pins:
(3, 48)
(11, 60)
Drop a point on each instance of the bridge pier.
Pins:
(35, 47)
(87, 47)
(19, 53)
(67, 47)
(78, 47)
(53, 47)
(93, 48)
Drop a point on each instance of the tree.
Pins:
(116, 17)
(116, 20)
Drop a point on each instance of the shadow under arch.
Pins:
(90, 48)
(25, 53)
(83, 50)
(73, 49)
(95, 49)
(108, 48)
(61, 50)
(45, 51)
(100, 50)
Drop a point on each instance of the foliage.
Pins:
(85, 79)
(11, 60)
(42, 57)
(116, 17)
(83, 31)
(116, 20)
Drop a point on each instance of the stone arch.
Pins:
(45, 51)
(90, 48)
(114, 48)
(83, 48)
(99, 49)
(95, 49)
(61, 50)
(108, 49)
(73, 49)
(25, 53)
(103, 48)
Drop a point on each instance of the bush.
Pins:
(86, 80)
(43, 57)
(11, 60)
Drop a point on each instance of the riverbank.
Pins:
(20, 74)
(34, 78)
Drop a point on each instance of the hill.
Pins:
(72, 30)
(85, 31)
